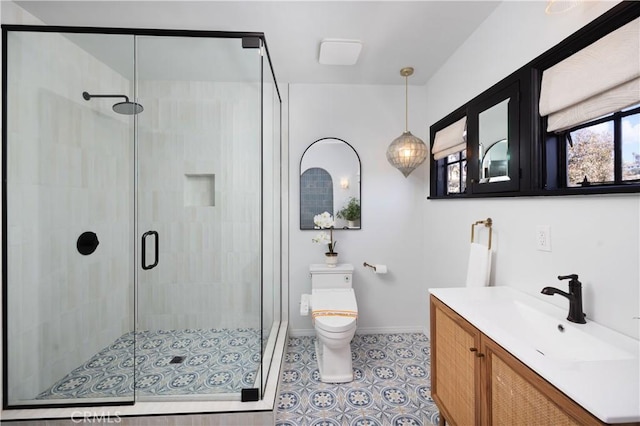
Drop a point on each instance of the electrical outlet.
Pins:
(543, 238)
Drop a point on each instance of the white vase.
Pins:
(331, 259)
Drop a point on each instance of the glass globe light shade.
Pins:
(406, 152)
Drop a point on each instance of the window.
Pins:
(572, 122)
(630, 145)
(449, 155)
(591, 107)
(456, 166)
(603, 152)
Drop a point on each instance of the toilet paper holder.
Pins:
(377, 269)
(366, 265)
(488, 222)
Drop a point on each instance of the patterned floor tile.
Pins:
(167, 362)
(391, 384)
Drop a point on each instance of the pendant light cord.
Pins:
(406, 103)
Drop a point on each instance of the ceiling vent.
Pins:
(339, 52)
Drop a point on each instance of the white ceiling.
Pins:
(395, 34)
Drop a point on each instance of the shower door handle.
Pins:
(144, 249)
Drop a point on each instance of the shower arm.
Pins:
(88, 96)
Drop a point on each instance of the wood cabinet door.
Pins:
(516, 395)
(455, 372)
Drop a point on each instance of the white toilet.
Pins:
(334, 313)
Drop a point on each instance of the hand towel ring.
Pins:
(488, 223)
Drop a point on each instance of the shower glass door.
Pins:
(199, 216)
(68, 245)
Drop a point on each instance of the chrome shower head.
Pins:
(127, 107)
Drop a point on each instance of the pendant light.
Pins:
(559, 6)
(406, 152)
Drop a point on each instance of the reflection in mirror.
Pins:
(494, 161)
(330, 181)
(493, 142)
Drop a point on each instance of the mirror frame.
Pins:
(300, 183)
(493, 132)
(474, 175)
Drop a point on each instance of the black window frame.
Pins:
(438, 168)
(541, 153)
(517, 87)
(564, 138)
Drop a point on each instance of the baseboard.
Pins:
(366, 330)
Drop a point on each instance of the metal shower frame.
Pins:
(249, 40)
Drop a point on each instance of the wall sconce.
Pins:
(344, 183)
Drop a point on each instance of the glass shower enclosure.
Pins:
(142, 215)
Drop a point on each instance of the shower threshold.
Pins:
(166, 363)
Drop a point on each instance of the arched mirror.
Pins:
(330, 181)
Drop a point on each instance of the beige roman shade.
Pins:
(450, 140)
(600, 79)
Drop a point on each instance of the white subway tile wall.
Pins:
(209, 272)
(69, 170)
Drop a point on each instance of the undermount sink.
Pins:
(554, 337)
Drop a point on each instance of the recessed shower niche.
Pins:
(117, 131)
(199, 190)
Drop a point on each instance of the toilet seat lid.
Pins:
(340, 301)
(335, 324)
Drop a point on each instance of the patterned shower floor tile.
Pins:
(167, 362)
(391, 384)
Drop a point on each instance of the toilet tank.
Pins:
(323, 276)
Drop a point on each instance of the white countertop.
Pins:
(607, 388)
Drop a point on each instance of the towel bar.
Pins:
(488, 222)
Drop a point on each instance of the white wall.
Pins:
(597, 237)
(369, 118)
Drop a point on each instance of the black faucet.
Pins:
(575, 297)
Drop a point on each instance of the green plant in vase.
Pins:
(351, 211)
